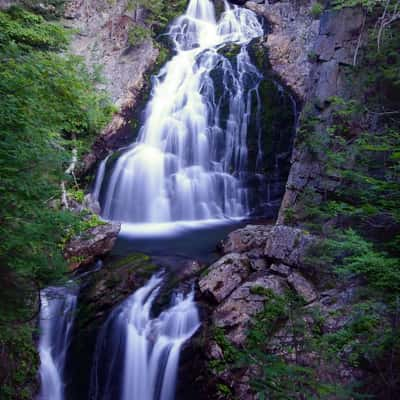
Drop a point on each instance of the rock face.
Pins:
(224, 276)
(333, 50)
(94, 243)
(103, 40)
(302, 287)
(270, 261)
(245, 239)
(7, 3)
(288, 245)
(312, 57)
(263, 260)
(293, 32)
(244, 303)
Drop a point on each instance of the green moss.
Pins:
(230, 51)
(260, 290)
(132, 259)
(316, 10)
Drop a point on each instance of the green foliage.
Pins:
(360, 155)
(354, 255)
(368, 4)
(273, 376)
(19, 356)
(27, 30)
(137, 34)
(159, 13)
(50, 9)
(316, 10)
(46, 99)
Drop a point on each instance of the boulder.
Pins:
(245, 239)
(90, 245)
(302, 287)
(288, 245)
(244, 303)
(224, 276)
(280, 269)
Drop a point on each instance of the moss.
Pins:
(260, 291)
(204, 272)
(230, 51)
(131, 259)
(316, 10)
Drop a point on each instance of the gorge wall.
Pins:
(103, 39)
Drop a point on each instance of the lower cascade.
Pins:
(190, 160)
(137, 356)
(56, 319)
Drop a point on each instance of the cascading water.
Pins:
(147, 349)
(56, 319)
(190, 160)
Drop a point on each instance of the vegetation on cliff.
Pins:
(48, 107)
(357, 211)
(355, 141)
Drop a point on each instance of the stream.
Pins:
(188, 180)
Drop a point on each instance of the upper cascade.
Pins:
(190, 158)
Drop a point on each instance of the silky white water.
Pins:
(56, 319)
(137, 356)
(190, 160)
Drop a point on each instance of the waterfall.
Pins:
(189, 162)
(99, 179)
(147, 348)
(56, 319)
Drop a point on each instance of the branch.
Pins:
(64, 196)
(382, 18)
(387, 19)
(69, 171)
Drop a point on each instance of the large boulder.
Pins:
(302, 287)
(245, 239)
(90, 245)
(225, 276)
(288, 245)
(244, 303)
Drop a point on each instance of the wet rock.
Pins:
(280, 269)
(190, 269)
(288, 245)
(302, 287)
(244, 303)
(90, 245)
(225, 276)
(245, 239)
